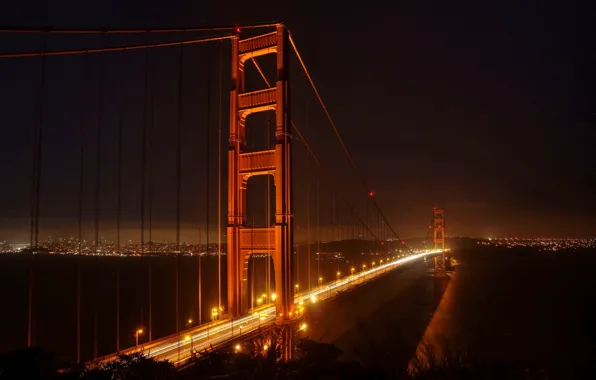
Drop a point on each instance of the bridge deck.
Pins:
(177, 348)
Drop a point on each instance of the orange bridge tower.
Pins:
(439, 237)
(275, 240)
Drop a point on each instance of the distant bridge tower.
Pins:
(276, 240)
(439, 237)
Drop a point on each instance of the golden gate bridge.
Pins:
(294, 185)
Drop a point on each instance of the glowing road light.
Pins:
(238, 348)
(338, 274)
(187, 337)
(313, 299)
(302, 327)
(189, 321)
(137, 333)
(265, 347)
(222, 332)
(273, 296)
(259, 301)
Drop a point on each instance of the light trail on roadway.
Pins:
(178, 348)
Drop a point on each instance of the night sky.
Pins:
(482, 107)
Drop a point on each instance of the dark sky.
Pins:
(484, 107)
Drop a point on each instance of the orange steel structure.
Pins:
(439, 237)
(276, 240)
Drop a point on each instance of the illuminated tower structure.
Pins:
(439, 237)
(276, 240)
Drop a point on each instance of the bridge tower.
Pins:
(439, 237)
(275, 240)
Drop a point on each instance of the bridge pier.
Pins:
(287, 341)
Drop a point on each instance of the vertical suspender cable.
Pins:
(268, 221)
(80, 212)
(178, 188)
(118, 222)
(308, 232)
(144, 154)
(150, 216)
(144, 173)
(207, 161)
(150, 210)
(219, 176)
(318, 232)
(35, 191)
(97, 190)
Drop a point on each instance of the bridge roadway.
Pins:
(177, 348)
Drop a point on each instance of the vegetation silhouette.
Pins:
(313, 361)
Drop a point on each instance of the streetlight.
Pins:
(189, 323)
(352, 270)
(296, 288)
(273, 296)
(259, 301)
(338, 274)
(137, 333)
(320, 280)
(213, 316)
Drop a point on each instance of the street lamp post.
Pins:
(189, 325)
(137, 333)
(214, 314)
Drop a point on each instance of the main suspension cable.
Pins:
(237, 28)
(310, 151)
(112, 49)
(347, 153)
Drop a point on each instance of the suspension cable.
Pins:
(23, 30)
(150, 200)
(35, 193)
(308, 148)
(97, 190)
(347, 153)
(118, 222)
(178, 186)
(112, 49)
(144, 153)
(80, 211)
(219, 118)
(207, 156)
